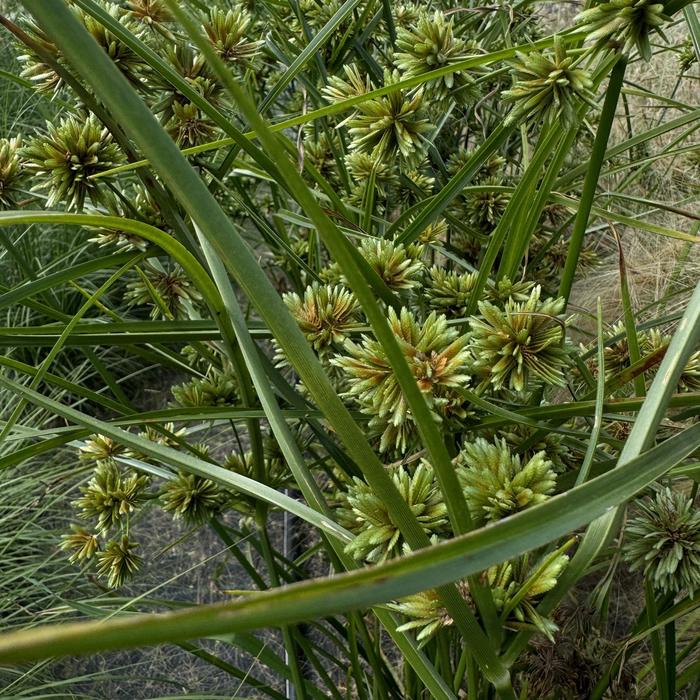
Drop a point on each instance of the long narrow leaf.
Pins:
(449, 561)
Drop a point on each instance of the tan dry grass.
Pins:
(656, 265)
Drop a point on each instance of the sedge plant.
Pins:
(348, 238)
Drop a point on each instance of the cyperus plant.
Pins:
(548, 86)
(438, 358)
(64, 159)
(663, 540)
(520, 343)
(496, 483)
(286, 274)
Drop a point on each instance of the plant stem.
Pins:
(657, 652)
(591, 181)
(670, 639)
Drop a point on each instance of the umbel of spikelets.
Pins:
(65, 158)
(548, 87)
(627, 23)
(430, 44)
(377, 536)
(391, 126)
(436, 354)
(497, 483)
(520, 342)
(228, 31)
(663, 540)
(111, 495)
(513, 586)
(193, 498)
(325, 313)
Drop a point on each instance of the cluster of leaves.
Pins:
(482, 331)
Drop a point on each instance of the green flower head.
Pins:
(459, 158)
(228, 33)
(216, 389)
(190, 65)
(188, 126)
(319, 150)
(167, 290)
(67, 156)
(193, 498)
(352, 85)
(81, 543)
(654, 340)
(520, 440)
(430, 44)
(504, 290)
(122, 240)
(663, 540)
(406, 14)
(690, 377)
(436, 354)
(391, 126)
(118, 562)
(548, 87)
(517, 584)
(519, 342)
(414, 186)
(496, 483)
(687, 57)
(152, 13)
(131, 65)
(100, 448)
(426, 612)
(377, 537)
(485, 208)
(167, 436)
(397, 264)
(435, 232)
(110, 496)
(427, 615)
(325, 314)
(361, 166)
(35, 66)
(628, 23)
(449, 291)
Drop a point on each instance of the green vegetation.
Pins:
(394, 303)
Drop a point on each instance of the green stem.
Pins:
(443, 653)
(472, 681)
(290, 646)
(354, 654)
(656, 650)
(630, 324)
(670, 639)
(461, 670)
(600, 397)
(591, 181)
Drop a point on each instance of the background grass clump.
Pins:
(350, 350)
